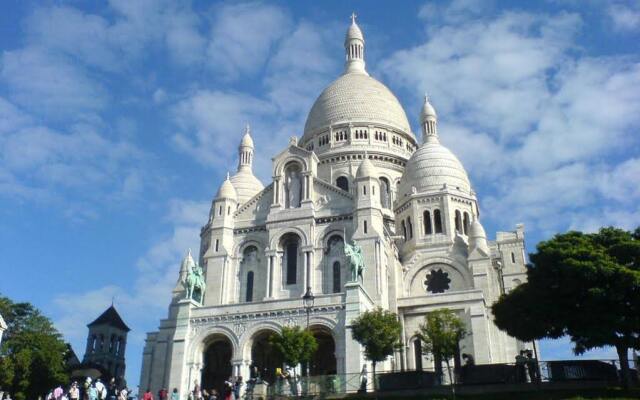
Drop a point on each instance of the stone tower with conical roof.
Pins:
(107, 342)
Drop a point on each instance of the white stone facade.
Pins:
(357, 171)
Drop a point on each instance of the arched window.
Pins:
(336, 277)
(404, 230)
(249, 296)
(465, 223)
(417, 354)
(410, 227)
(217, 244)
(365, 226)
(94, 342)
(437, 221)
(458, 222)
(385, 196)
(426, 216)
(343, 183)
(513, 257)
(291, 254)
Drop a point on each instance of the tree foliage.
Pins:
(32, 355)
(440, 333)
(294, 344)
(378, 331)
(586, 286)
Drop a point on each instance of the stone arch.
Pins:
(217, 356)
(240, 246)
(324, 361)
(200, 340)
(274, 243)
(280, 166)
(256, 348)
(423, 263)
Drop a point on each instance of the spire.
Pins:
(429, 122)
(354, 49)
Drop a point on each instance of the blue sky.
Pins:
(119, 119)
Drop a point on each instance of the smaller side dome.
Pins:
(227, 191)
(366, 169)
(478, 238)
(476, 230)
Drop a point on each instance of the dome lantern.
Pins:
(429, 121)
(354, 49)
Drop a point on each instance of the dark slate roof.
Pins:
(110, 317)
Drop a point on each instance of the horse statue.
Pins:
(195, 280)
(356, 260)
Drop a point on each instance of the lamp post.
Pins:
(308, 300)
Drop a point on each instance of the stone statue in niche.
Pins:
(293, 188)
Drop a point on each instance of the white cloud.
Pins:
(211, 123)
(541, 128)
(625, 17)
(42, 81)
(242, 36)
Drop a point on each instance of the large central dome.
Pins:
(356, 97)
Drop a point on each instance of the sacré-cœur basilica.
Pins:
(357, 174)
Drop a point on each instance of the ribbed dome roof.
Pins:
(246, 139)
(227, 191)
(246, 185)
(432, 166)
(356, 97)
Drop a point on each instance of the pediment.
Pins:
(331, 199)
(257, 208)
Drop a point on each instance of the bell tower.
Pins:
(107, 342)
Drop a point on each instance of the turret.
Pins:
(477, 239)
(224, 205)
(367, 198)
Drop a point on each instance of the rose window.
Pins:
(437, 281)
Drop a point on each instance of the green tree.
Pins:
(32, 355)
(440, 335)
(378, 331)
(294, 344)
(586, 286)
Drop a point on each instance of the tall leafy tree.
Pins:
(378, 331)
(586, 286)
(32, 355)
(295, 345)
(440, 335)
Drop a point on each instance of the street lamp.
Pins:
(308, 300)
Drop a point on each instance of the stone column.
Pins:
(271, 276)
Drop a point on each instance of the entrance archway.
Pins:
(217, 363)
(324, 360)
(264, 357)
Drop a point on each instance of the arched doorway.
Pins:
(217, 363)
(264, 357)
(324, 360)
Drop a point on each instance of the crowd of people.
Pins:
(90, 390)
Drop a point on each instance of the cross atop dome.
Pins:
(353, 17)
